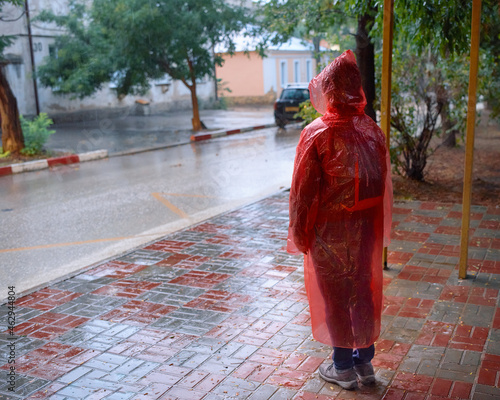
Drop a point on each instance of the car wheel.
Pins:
(280, 122)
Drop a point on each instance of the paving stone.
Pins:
(236, 388)
(205, 345)
(24, 344)
(190, 236)
(90, 305)
(234, 284)
(224, 265)
(403, 330)
(206, 249)
(484, 392)
(83, 283)
(405, 288)
(25, 385)
(97, 334)
(416, 227)
(447, 311)
(282, 258)
(263, 392)
(144, 257)
(23, 314)
(220, 364)
(422, 360)
(459, 365)
(478, 315)
(156, 273)
(283, 394)
(315, 349)
(493, 343)
(171, 294)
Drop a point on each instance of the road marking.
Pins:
(159, 197)
(188, 195)
(48, 246)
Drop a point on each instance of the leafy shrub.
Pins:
(36, 133)
(307, 112)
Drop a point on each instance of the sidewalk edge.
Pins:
(49, 162)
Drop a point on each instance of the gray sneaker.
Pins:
(345, 378)
(365, 373)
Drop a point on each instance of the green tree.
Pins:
(417, 104)
(12, 135)
(318, 19)
(130, 42)
(443, 27)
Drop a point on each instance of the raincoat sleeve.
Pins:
(304, 194)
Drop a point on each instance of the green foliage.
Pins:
(311, 20)
(2, 154)
(130, 42)
(36, 134)
(307, 112)
(422, 87)
(6, 40)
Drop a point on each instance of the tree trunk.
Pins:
(449, 138)
(365, 55)
(196, 109)
(317, 55)
(12, 135)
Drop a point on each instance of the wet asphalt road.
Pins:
(58, 221)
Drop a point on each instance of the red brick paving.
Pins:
(47, 299)
(138, 312)
(431, 275)
(126, 288)
(489, 372)
(469, 338)
(274, 367)
(200, 279)
(49, 325)
(116, 269)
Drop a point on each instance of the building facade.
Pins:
(164, 94)
(253, 79)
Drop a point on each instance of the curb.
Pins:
(205, 136)
(49, 162)
(99, 154)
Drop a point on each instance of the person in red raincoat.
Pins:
(340, 218)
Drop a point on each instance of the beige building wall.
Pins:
(243, 74)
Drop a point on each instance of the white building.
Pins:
(163, 95)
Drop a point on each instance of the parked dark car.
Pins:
(287, 105)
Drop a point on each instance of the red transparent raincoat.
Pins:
(340, 209)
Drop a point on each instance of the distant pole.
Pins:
(215, 74)
(385, 101)
(471, 125)
(30, 39)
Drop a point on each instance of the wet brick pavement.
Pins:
(218, 311)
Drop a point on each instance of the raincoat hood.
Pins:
(337, 89)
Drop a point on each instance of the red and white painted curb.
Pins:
(205, 136)
(49, 162)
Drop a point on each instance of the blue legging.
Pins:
(344, 358)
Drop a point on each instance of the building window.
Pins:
(283, 73)
(309, 71)
(296, 71)
(53, 51)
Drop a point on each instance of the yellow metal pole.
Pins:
(385, 103)
(469, 149)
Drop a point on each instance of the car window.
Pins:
(295, 94)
